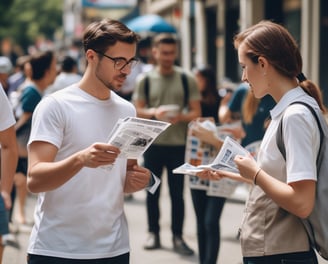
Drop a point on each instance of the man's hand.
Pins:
(137, 178)
(99, 154)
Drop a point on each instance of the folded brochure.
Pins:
(223, 161)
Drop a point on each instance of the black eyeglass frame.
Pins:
(132, 62)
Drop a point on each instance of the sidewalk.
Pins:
(136, 215)
(230, 252)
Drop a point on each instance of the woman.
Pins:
(283, 191)
(208, 209)
(254, 114)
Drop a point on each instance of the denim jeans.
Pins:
(38, 259)
(156, 158)
(208, 211)
(308, 257)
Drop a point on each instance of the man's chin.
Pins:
(117, 88)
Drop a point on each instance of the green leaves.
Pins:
(25, 21)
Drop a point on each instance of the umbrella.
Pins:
(150, 23)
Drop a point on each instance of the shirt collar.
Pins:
(293, 95)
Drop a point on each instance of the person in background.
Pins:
(208, 209)
(43, 68)
(8, 162)
(254, 114)
(68, 74)
(129, 85)
(283, 190)
(6, 68)
(143, 65)
(130, 82)
(79, 178)
(168, 150)
(18, 77)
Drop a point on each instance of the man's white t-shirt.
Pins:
(84, 218)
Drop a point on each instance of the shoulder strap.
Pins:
(146, 87)
(185, 88)
(279, 135)
(184, 84)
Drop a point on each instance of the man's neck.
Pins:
(165, 71)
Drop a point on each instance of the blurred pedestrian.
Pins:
(68, 74)
(79, 215)
(144, 65)
(5, 71)
(156, 92)
(8, 162)
(18, 76)
(254, 114)
(43, 68)
(208, 209)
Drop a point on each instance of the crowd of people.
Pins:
(45, 106)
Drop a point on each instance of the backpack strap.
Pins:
(185, 88)
(184, 84)
(146, 87)
(279, 135)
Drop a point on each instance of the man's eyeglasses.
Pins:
(121, 63)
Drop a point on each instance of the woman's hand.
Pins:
(247, 166)
(204, 134)
(220, 174)
(209, 175)
(236, 132)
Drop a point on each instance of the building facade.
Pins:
(206, 29)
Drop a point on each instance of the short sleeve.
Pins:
(6, 114)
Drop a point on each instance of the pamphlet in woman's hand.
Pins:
(223, 161)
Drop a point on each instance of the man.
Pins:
(81, 180)
(67, 76)
(8, 159)
(165, 87)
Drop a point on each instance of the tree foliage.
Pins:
(23, 21)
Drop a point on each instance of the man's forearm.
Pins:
(9, 158)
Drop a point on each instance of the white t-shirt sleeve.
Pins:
(47, 122)
(6, 114)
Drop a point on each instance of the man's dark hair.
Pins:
(102, 34)
(40, 63)
(164, 38)
(68, 64)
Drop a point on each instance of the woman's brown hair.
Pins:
(273, 42)
(249, 108)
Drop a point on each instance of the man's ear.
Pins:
(90, 54)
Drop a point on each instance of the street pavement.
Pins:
(135, 208)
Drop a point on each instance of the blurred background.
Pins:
(205, 28)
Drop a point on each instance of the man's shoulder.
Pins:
(182, 71)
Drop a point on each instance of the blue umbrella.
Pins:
(150, 23)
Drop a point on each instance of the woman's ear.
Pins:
(262, 61)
